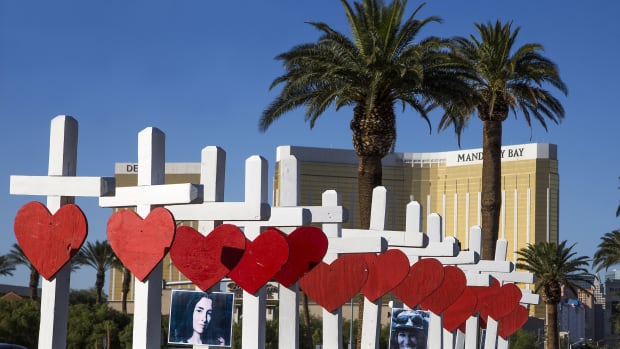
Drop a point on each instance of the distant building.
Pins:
(16, 291)
(612, 299)
(581, 316)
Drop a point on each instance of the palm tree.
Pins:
(381, 65)
(99, 256)
(618, 209)
(507, 78)
(608, 251)
(17, 256)
(6, 266)
(125, 288)
(555, 265)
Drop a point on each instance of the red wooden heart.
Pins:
(49, 241)
(205, 260)
(385, 271)
(486, 292)
(331, 285)
(307, 247)
(458, 312)
(512, 322)
(424, 277)
(262, 259)
(139, 243)
(453, 284)
(502, 303)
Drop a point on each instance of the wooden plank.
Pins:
(160, 194)
(62, 186)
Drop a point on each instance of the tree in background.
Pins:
(19, 322)
(101, 257)
(506, 78)
(555, 266)
(383, 63)
(17, 256)
(7, 266)
(608, 251)
(523, 339)
(88, 296)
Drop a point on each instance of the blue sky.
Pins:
(200, 71)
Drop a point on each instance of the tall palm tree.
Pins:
(507, 78)
(17, 256)
(7, 266)
(380, 65)
(99, 256)
(608, 251)
(555, 265)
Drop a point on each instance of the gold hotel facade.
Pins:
(447, 183)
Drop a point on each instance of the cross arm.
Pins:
(62, 186)
(154, 195)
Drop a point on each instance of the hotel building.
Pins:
(447, 183)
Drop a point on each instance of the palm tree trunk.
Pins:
(369, 174)
(125, 289)
(553, 336)
(34, 283)
(491, 185)
(99, 282)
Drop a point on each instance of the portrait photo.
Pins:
(198, 317)
(409, 329)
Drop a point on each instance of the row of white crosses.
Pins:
(413, 243)
(204, 203)
(478, 272)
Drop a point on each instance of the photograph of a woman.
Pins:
(201, 318)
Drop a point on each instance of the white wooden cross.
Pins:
(253, 214)
(150, 192)
(412, 243)
(60, 186)
(500, 269)
(288, 197)
(332, 322)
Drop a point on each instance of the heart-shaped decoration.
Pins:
(49, 241)
(424, 277)
(502, 303)
(385, 271)
(512, 322)
(307, 247)
(452, 286)
(458, 312)
(139, 243)
(262, 259)
(484, 293)
(331, 285)
(205, 260)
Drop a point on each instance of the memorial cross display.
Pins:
(60, 186)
